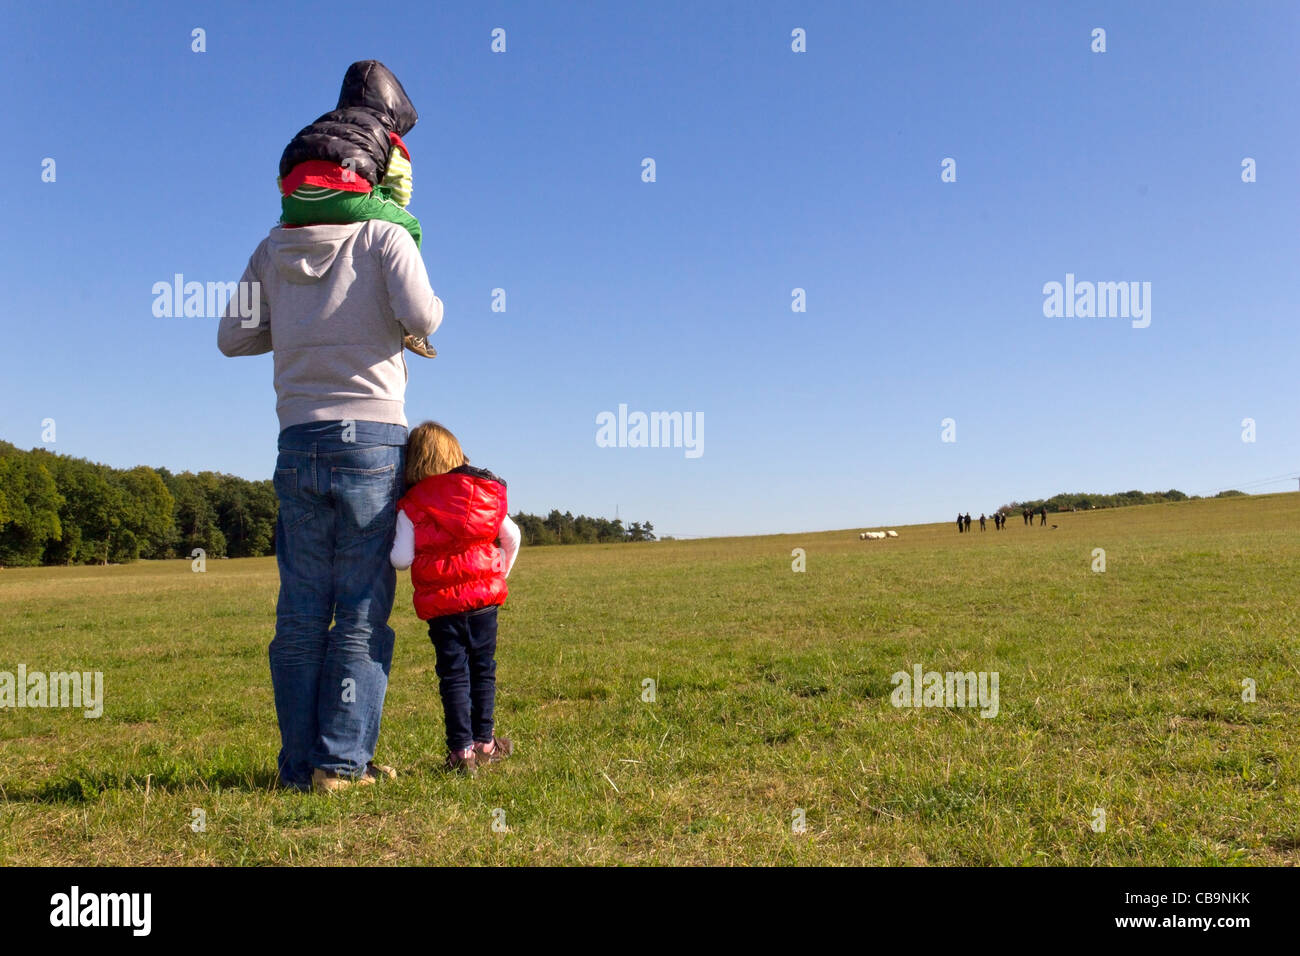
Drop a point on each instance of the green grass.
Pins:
(1119, 690)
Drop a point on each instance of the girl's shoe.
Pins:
(459, 763)
(501, 749)
(420, 346)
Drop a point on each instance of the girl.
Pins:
(446, 525)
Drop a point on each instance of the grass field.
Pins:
(1119, 690)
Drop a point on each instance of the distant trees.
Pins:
(557, 528)
(641, 532)
(1086, 502)
(146, 519)
(29, 507)
(246, 512)
(55, 509)
(224, 515)
(196, 523)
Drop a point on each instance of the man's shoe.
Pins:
(327, 781)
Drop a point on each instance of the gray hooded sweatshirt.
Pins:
(333, 303)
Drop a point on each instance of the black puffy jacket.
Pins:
(354, 135)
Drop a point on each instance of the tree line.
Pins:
(1080, 501)
(558, 528)
(56, 509)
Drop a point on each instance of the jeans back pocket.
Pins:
(366, 498)
(294, 508)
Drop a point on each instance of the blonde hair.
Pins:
(431, 450)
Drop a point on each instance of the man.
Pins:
(334, 302)
(961, 522)
(1042, 516)
(982, 528)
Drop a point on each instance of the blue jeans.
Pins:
(338, 512)
(466, 646)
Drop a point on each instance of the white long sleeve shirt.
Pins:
(403, 554)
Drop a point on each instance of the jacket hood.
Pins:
(368, 84)
(305, 254)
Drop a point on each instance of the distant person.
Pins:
(967, 521)
(1025, 514)
(961, 523)
(982, 528)
(1042, 516)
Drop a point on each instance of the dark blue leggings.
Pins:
(467, 674)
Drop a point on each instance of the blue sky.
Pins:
(775, 170)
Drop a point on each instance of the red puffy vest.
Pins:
(457, 517)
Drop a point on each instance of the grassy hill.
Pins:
(1119, 690)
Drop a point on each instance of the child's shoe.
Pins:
(420, 346)
(462, 761)
(501, 749)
